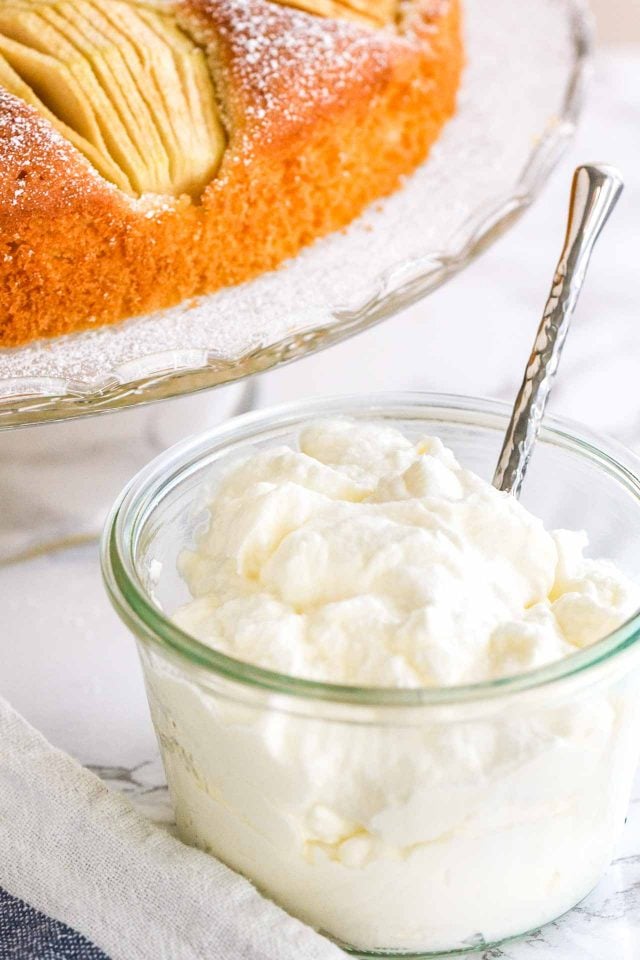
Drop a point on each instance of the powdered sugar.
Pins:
(269, 50)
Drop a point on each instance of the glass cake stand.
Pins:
(518, 105)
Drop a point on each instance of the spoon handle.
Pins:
(594, 193)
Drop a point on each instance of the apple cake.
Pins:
(153, 151)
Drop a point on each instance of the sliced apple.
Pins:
(121, 81)
(12, 82)
(373, 13)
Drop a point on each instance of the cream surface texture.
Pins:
(367, 558)
(364, 558)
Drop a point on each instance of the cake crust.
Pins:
(322, 117)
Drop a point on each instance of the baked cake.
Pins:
(155, 151)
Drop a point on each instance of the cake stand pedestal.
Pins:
(58, 480)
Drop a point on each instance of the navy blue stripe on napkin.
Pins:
(26, 934)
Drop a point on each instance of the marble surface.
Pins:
(70, 667)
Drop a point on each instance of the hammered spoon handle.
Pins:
(594, 193)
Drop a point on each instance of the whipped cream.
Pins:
(365, 558)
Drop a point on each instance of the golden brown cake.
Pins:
(153, 152)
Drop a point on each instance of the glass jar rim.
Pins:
(139, 498)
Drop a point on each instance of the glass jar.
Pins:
(395, 821)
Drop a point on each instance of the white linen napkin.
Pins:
(76, 851)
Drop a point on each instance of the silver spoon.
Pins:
(594, 193)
